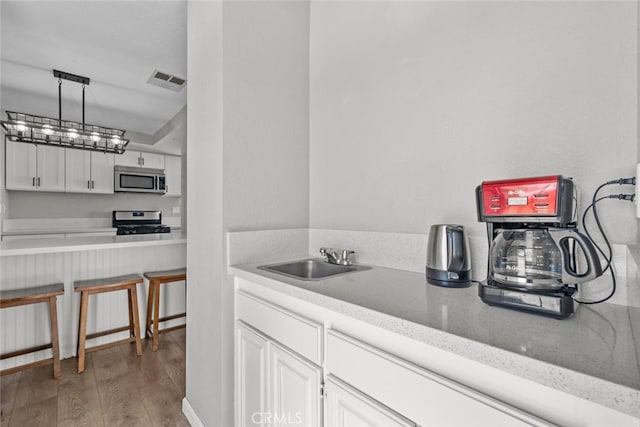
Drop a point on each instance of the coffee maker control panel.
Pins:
(539, 199)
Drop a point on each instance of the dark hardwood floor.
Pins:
(117, 389)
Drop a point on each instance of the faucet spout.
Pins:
(331, 256)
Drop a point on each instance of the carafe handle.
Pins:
(594, 269)
(455, 249)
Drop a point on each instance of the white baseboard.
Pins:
(190, 414)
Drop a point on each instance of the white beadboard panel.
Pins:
(27, 326)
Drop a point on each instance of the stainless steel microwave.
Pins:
(139, 180)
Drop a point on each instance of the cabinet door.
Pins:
(173, 170)
(20, 166)
(102, 172)
(152, 160)
(347, 407)
(51, 169)
(78, 170)
(128, 158)
(251, 377)
(294, 389)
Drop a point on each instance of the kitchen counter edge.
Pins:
(73, 244)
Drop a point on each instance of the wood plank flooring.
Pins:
(117, 388)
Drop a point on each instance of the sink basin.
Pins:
(311, 269)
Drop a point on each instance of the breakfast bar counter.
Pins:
(36, 262)
(73, 244)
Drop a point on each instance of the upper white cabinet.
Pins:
(173, 169)
(33, 167)
(137, 158)
(89, 171)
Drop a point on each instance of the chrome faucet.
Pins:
(332, 257)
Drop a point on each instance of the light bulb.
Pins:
(116, 140)
(95, 137)
(20, 127)
(47, 130)
(72, 134)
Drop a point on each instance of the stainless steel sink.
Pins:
(311, 269)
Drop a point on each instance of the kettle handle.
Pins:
(594, 268)
(455, 249)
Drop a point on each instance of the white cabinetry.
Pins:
(295, 386)
(347, 407)
(173, 170)
(413, 391)
(137, 158)
(34, 167)
(89, 171)
(275, 383)
(284, 359)
(251, 376)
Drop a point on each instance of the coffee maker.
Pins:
(537, 257)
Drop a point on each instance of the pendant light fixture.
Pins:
(22, 127)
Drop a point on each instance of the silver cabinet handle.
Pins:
(93, 185)
(89, 184)
(38, 181)
(142, 160)
(33, 181)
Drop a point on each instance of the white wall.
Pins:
(247, 167)
(266, 114)
(40, 204)
(413, 104)
(204, 212)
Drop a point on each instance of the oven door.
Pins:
(138, 180)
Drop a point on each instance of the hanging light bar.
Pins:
(22, 127)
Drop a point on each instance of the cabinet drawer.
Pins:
(416, 393)
(294, 331)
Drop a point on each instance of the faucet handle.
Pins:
(345, 256)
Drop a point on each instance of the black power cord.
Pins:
(608, 257)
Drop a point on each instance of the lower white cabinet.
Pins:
(345, 406)
(274, 385)
(295, 370)
(251, 377)
(415, 392)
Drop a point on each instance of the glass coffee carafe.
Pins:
(541, 259)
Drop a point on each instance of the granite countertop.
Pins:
(595, 354)
(71, 244)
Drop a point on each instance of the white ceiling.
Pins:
(117, 44)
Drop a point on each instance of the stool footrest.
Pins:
(110, 344)
(37, 364)
(109, 332)
(26, 351)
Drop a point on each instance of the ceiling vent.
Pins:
(167, 80)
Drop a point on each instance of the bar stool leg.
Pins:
(156, 316)
(133, 299)
(150, 300)
(82, 330)
(53, 314)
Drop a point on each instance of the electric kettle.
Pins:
(448, 258)
(542, 259)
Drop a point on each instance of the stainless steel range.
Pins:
(138, 222)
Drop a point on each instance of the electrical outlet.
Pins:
(175, 209)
